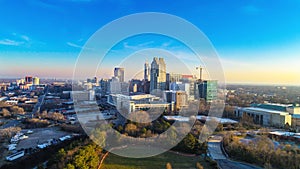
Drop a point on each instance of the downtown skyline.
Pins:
(257, 42)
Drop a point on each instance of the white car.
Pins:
(12, 147)
(29, 132)
(23, 137)
(41, 146)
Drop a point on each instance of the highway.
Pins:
(216, 153)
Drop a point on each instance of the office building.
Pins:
(146, 71)
(207, 90)
(80, 96)
(104, 85)
(158, 74)
(117, 87)
(265, 117)
(177, 99)
(175, 77)
(135, 86)
(36, 81)
(119, 73)
(28, 80)
(129, 104)
(291, 109)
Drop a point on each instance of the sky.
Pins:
(258, 41)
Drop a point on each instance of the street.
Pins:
(216, 153)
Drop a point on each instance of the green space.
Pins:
(177, 161)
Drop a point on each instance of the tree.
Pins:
(287, 126)
(171, 136)
(86, 158)
(188, 144)
(17, 110)
(70, 166)
(56, 116)
(140, 117)
(168, 166)
(131, 129)
(5, 113)
(199, 166)
(9, 132)
(99, 137)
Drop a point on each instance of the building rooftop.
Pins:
(273, 106)
(204, 118)
(296, 116)
(266, 110)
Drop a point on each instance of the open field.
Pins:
(177, 161)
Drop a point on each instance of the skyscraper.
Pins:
(119, 73)
(208, 90)
(146, 71)
(158, 74)
(104, 85)
(36, 81)
(28, 80)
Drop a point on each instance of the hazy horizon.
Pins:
(257, 43)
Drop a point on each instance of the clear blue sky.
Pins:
(44, 38)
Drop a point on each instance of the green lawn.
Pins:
(113, 161)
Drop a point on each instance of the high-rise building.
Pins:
(158, 74)
(208, 89)
(119, 73)
(116, 87)
(178, 99)
(181, 100)
(28, 80)
(175, 77)
(135, 85)
(146, 72)
(36, 81)
(104, 85)
(168, 81)
(95, 80)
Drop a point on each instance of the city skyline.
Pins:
(257, 43)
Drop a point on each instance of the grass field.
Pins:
(113, 161)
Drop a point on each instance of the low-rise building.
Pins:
(296, 121)
(136, 102)
(265, 117)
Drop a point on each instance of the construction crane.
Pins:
(200, 72)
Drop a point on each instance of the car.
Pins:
(23, 137)
(42, 146)
(29, 132)
(12, 147)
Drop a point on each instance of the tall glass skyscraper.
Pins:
(208, 90)
(158, 74)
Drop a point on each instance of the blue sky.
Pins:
(252, 37)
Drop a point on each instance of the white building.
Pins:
(265, 117)
(117, 87)
(137, 102)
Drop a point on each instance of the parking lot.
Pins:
(39, 136)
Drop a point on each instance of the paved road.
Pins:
(40, 102)
(214, 149)
(228, 164)
(10, 123)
